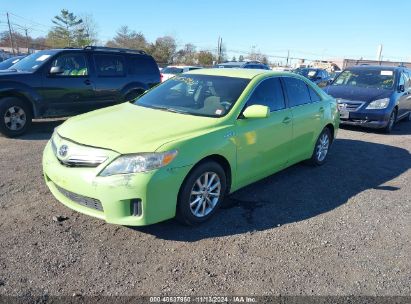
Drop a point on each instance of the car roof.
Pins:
(236, 73)
(182, 66)
(374, 67)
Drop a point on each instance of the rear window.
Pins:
(141, 65)
(172, 70)
(109, 65)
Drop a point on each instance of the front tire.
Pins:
(15, 117)
(201, 193)
(391, 121)
(321, 148)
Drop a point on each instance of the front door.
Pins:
(70, 90)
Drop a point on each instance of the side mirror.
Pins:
(401, 88)
(56, 70)
(256, 111)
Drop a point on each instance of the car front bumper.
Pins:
(375, 119)
(114, 198)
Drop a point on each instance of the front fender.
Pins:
(20, 90)
(192, 149)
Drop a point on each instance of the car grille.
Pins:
(350, 106)
(81, 200)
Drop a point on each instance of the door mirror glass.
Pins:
(401, 88)
(56, 70)
(256, 111)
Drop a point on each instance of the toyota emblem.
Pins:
(63, 151)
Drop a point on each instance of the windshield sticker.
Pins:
(386, 73)
(42, 57)
(311, 73)
(218, 112)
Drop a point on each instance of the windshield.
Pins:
(33, 61)
(9, 62)
(308, 73)
(201, 95)
(172, 70)
(366, 78)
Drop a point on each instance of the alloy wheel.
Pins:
(322, 147)
(15, 118)
(205, 194)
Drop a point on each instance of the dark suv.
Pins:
(64, 82)
(373, 96)
(319, 76)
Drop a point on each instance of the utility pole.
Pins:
(11, 36)
(218, 49)
(27, 41)
(288, 56)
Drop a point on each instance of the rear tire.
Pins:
(391, 121)
(321, 148)
(201, 193)
(15, 117)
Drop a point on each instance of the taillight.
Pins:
(161, 77)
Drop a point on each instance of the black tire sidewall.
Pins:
(183, 212)
(314, 159)
(390, 126)
(5, 104)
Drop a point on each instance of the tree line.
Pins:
(70, 30)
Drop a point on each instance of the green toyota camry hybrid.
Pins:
(180, 148)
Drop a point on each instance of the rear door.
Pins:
(71, 91)
(307, 110)
(404, 102)
(263, 144)
(110, 78)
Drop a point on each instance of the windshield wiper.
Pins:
(170, 109)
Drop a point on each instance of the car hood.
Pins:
(127, 128)
(357, 93)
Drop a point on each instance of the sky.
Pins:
(308, 29)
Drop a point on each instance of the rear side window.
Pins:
(313, 94)
(109, 65)
(268, 93)
(297, 91)
(142, 65)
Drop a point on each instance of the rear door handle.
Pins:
(87, 81)
(321, 109)
(287, 120)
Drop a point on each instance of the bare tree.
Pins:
(90, 28)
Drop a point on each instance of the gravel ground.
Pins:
(341, 229)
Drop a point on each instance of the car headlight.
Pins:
(53, 142)
(378, 104)
(141, 162)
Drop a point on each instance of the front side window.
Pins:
(297, 91)
(73, 65)
(109, 65)
(366, 78)
(268, 93)
(200, 95)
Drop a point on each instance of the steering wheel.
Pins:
(226, 104)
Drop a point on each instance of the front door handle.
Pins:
(321, 110)
(287, 120)
(87, 81)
